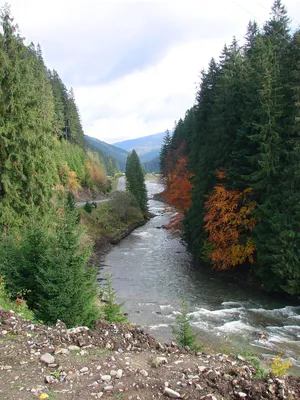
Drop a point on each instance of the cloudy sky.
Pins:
(134, 65)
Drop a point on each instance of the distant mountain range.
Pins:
(147, 147)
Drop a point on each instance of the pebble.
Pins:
(47, 358)
(84, 370)
(144, 372)
(171, 393)
(73, 347)
(242, 395)
(106, 378)
(159, 361)
(119, 374)
(108, 388)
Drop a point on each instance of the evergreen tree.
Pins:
(135, 181)
(66, 286)
(164, 152)
(27, 170)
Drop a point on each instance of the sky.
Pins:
(135, 65)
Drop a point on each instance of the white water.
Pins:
(151, 269)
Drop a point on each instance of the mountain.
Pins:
(111, 150)
(147, 147)
(152, 165)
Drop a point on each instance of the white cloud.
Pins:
(135, 65)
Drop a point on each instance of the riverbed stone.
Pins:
(171, 393)
(47, 358)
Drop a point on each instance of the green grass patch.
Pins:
(19, 307)
(102, 222)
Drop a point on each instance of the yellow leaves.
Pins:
(228, 219)
(280, 367)
(43, 396)
(69, 177)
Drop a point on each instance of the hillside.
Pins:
(147, 147)
(119, 154)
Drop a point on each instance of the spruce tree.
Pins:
(164, 152)
(135, 181)
(27, 170)
(66, 285)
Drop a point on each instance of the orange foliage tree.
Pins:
(178, 192)
(228, 221)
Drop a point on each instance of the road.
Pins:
(121, 183)
(120, 186)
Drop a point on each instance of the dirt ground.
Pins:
(120, 362)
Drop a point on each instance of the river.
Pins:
(151, 269)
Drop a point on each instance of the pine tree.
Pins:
(135, 181)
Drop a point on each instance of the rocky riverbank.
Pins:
(114, 361)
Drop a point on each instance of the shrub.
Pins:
(280, 367)
(88, 207)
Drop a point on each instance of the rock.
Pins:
(119, 374)
(202, 368)
(50, 379)
(61, 351)
(242, 395)
(47, 359)
(78, 329)
(81, 342)
(157, 361)
(144, 372)
(211, 374)
(73, 348)
(171, 393)
(106, 378)
(60, 325)
(108, 388)
(128, 335)
(241, 358)
(84, 370)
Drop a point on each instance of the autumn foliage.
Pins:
(179, 192)
(228, 220)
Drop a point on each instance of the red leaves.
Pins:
(179, 192)
(228, 219)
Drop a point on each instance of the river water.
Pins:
(151, 269)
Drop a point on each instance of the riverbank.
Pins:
(105, 228)
(114, 361)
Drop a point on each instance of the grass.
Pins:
(19, 307)
(101, 222)
(254, 361)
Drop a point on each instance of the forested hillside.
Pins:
(237, 153)
(43, 250)
(117, 155)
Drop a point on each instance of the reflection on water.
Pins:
(151, 269)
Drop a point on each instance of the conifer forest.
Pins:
(232, 166)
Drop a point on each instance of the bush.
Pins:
(88, 207)
(280, 367)
(124, 205)
(50, 262)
